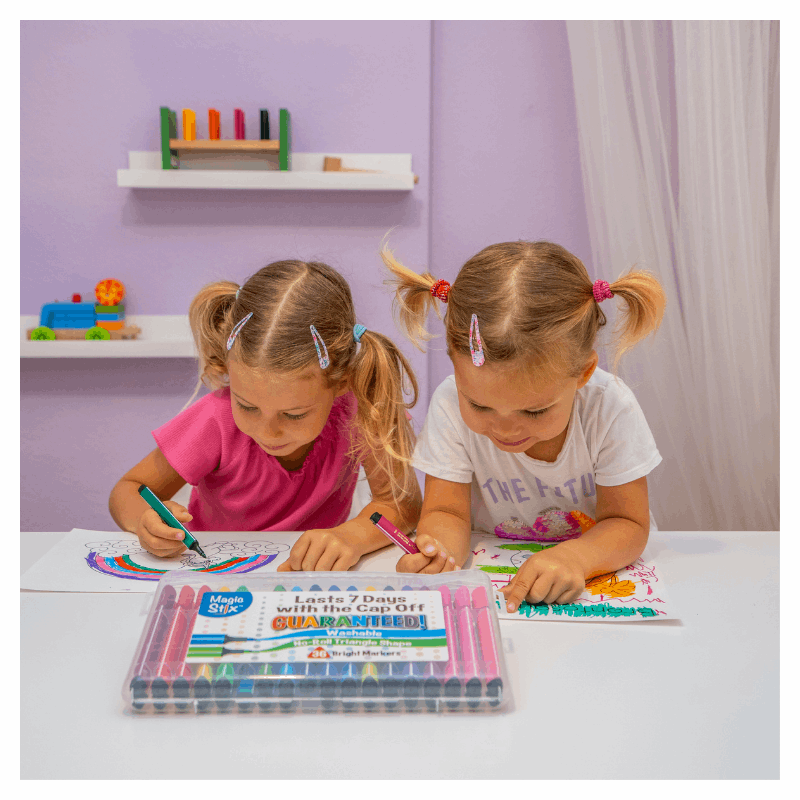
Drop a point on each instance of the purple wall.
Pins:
(500, 125)
(505, 162)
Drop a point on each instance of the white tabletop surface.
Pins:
(689, 699)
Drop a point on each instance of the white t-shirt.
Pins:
(516, 496)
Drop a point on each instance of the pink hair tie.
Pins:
(601, 291)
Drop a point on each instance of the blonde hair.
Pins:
(286, 298)
(534, 302)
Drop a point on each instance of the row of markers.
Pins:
(189, 119)
(469, 680)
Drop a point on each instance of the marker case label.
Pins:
(264, 627)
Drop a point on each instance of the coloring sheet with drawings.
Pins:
(633, 593)
(99, 561)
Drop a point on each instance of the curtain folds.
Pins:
(678, 131)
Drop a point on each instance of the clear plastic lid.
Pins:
(319, 641)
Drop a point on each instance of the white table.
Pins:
(695, 698)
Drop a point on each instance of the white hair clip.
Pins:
(236, 328)
(324, 360)
(475, 343)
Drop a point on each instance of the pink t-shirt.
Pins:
(239, 487)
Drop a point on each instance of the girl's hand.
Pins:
(433, 557)
(157, 537)
(327, 550)
(550, 576)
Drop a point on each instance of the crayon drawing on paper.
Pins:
(635, 592)
(96, 561)
(129, 560)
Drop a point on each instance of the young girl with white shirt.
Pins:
(528, 439)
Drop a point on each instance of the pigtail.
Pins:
(413, 297)
(210, 320)
(380, 375)
(644, 309)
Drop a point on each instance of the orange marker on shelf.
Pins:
(189, 129)
(213, 123)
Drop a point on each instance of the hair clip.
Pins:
(475, 339)
(324, 361)
(236, 328)
(441, 289)
(601, 291)
(237, 292)
(358, 332)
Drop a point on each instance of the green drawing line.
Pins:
(500, 570)
(578, 610)
(534, 547)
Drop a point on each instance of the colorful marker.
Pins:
(387, 528)
(450, 672)
(245, 673)
(182, 685)
(431, 685)
(468, 646)
(202, 687)
(151, 646)
(224, 679)
(265, 685)
(168, 518)
(328, 683)
(412, 680)
(167, 662)
(490, 660)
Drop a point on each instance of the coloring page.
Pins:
(633, 593)
(97, 561)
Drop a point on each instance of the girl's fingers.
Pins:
(326, 561)
(342, 564)
(298, 553)
(415, 563)
(542, 588)
(566, 597)
(312, 556)
(427, 545)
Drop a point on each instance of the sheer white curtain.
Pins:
(678, 127)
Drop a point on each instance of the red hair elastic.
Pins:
(601, 291)
(441, 289)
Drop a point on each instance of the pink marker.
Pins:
(394, 533)
(450, 675)
(488, 647)
(468, 643)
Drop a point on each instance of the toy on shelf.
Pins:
(101, 321)
(172, 147)
(333, 164)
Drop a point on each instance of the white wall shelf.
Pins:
(162, 336)
(241, 171)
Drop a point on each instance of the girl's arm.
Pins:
(132, 514)
(443, 533)
(559, 574)
(341, 547)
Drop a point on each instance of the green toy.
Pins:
(43, 334)
(96, 333)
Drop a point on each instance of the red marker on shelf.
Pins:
(394, 533)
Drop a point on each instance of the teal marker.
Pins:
(169, 519)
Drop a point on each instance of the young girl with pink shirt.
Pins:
(302, 396)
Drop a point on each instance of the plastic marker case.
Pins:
(319, 642)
